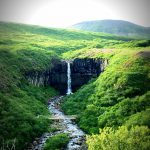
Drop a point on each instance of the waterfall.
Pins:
(69, 90)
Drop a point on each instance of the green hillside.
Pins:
(119, 97)
(25, 48)
(117, 27)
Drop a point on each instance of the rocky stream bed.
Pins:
(66, 125)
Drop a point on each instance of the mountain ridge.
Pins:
(116, 27)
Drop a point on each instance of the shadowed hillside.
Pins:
(117, 27)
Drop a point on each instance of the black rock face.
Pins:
(82, 70)
(58, 76)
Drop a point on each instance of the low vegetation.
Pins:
(135, 138)
(119, 96)
(57, 142)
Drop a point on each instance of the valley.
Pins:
(104, 80)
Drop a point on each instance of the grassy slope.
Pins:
(117, 102)
(118, 96)
(20, 103)
(24, 48)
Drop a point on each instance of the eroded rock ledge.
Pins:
(82, 70)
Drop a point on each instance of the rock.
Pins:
(37, 139)
(35, 143)
(84, 146)
(82, 70)
(30, 147)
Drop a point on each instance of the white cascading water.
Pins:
(69, 90)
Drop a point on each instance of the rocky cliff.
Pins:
(82, 70)
(54, 76)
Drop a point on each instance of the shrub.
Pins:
(57, 142)
(135, 138)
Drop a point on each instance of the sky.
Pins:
(64, 13)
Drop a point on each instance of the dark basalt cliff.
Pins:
(82, 70)
(56, 76)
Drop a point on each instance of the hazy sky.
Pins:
(63, 13)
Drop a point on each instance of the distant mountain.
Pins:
(117, 27)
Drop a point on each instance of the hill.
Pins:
(116, 27)
(116, 104)
(25, 48)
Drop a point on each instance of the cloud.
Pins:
(61, 13)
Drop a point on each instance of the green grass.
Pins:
(117, 94)
(25, 48)
(19, 114)
(118, 102)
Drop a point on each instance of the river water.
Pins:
(77, 136)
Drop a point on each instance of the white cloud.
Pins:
(61, 13)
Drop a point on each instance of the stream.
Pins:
(66, 125)
(76, 135)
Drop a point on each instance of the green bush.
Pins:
(57, 142)
(135, 138)
(19, 115)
